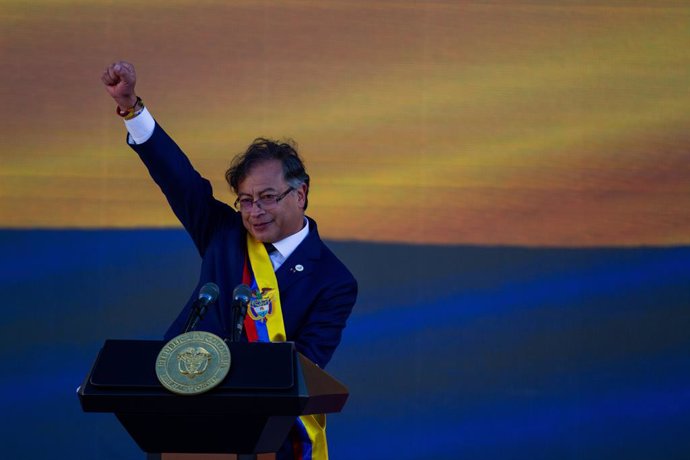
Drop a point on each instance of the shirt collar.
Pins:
(287, 245)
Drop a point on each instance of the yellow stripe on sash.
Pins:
(315, 426)
(266, 279)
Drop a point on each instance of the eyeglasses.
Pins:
(265, 201)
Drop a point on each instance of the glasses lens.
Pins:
(264, 202)
(244, 204)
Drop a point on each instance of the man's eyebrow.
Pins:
(261, 192)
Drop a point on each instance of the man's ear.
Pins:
(301, 195)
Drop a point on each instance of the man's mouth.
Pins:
(260, 225)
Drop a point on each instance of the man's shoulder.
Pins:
(332, 266)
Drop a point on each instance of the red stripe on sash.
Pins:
(249, 325)
(296, 442)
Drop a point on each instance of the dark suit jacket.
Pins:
(316, 301)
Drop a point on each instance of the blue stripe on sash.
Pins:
(261, 329)
(301, 437)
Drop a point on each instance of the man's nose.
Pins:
(256, 209)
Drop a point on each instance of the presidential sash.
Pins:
(264, 323)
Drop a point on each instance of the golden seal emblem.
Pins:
(193, 363)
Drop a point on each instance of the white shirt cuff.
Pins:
(140, 128)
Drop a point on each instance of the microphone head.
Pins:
(209, 292)
(242, 293)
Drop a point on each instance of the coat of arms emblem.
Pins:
(261, 306)
(193, 361)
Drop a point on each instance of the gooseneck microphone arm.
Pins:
(208, 294)
(240, 302)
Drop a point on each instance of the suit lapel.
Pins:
(302, 261)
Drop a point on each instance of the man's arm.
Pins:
(190, 196)
(120, 80)
(322, 330)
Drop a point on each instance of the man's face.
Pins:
(274, 222)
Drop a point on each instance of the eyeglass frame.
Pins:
(257, 202)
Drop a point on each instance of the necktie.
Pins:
(270, 248)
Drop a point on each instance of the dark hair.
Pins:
(262, 150)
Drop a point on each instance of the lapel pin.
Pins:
(299, 267)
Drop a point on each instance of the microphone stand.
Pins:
(239, 311)
(193, 318)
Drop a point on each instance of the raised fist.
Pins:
(119, 79)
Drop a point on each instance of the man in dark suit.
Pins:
(317, 292)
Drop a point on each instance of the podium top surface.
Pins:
(257, 366)
(264, 378)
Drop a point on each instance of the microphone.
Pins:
(240, 301)
(207, 296)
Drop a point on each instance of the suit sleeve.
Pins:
(190, 196)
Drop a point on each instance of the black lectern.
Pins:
(251, 411)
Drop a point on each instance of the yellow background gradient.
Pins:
(530, 123)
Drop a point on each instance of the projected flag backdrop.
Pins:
(534, 123)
